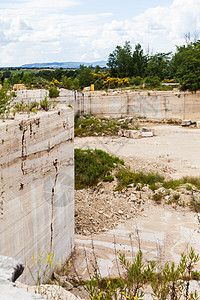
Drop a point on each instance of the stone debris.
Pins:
(136, 134)
(186, 123)
(198, 124)
(97, 211)
(62, 281)
(48, 291)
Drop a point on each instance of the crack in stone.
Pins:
(23, 156)
(55, 163)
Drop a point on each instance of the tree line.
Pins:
(125, 67)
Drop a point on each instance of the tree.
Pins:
(187, 64)
(120, 61)
(139, 61)
(85, 76)
(159, 65)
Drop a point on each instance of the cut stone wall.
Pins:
(150, 104)
(37, 186)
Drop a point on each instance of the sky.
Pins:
(86, 30)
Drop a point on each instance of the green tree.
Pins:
(85, 76)
(159, 65)
(187, 64)
(139, 61)
(67, 82)
(120, 61)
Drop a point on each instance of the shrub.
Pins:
(170, 282)
(53, 92)
(91, 166)
(153, 81)
(45, 104)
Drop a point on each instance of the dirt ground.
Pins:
(162, 231)
(173, 150)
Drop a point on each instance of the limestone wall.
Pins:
(37, 186)
(151, 104)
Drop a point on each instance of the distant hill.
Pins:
(64, 65)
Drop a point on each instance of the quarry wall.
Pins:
(37, 186)
(151, 104)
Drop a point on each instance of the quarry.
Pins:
(40, 210)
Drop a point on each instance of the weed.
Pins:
(188, 187)
(43, 267)
(176, 197)
(170, 282)
(157, 197)
(173, 183)
(45, 104)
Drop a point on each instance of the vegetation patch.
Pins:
(172, 281)
(126, 177)
(93, 126)
(91, 166)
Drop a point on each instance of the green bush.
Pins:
(91, 166)
(53, 92)
(45, 104)
(153, 81)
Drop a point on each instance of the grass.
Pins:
(94, 126)
(154, 180)
(126, 177)
(92, 166)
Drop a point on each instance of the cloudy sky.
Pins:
(87, 30)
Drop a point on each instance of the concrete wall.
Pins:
(37, 186)
(151, 104)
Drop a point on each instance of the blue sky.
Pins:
(78, 30)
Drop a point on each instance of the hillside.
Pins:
(64, 65)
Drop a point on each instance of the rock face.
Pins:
(150, 104)
(37, 186)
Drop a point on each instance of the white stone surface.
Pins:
(186, 122)
(8, 289)
(150, 104)
(147, 134)
(37, 186)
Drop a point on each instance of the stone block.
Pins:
(147, 134)
(186, 123)
(37, 186)
(198, 124)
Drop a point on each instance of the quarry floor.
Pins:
(162, 232)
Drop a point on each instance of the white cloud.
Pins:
(41, 31)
